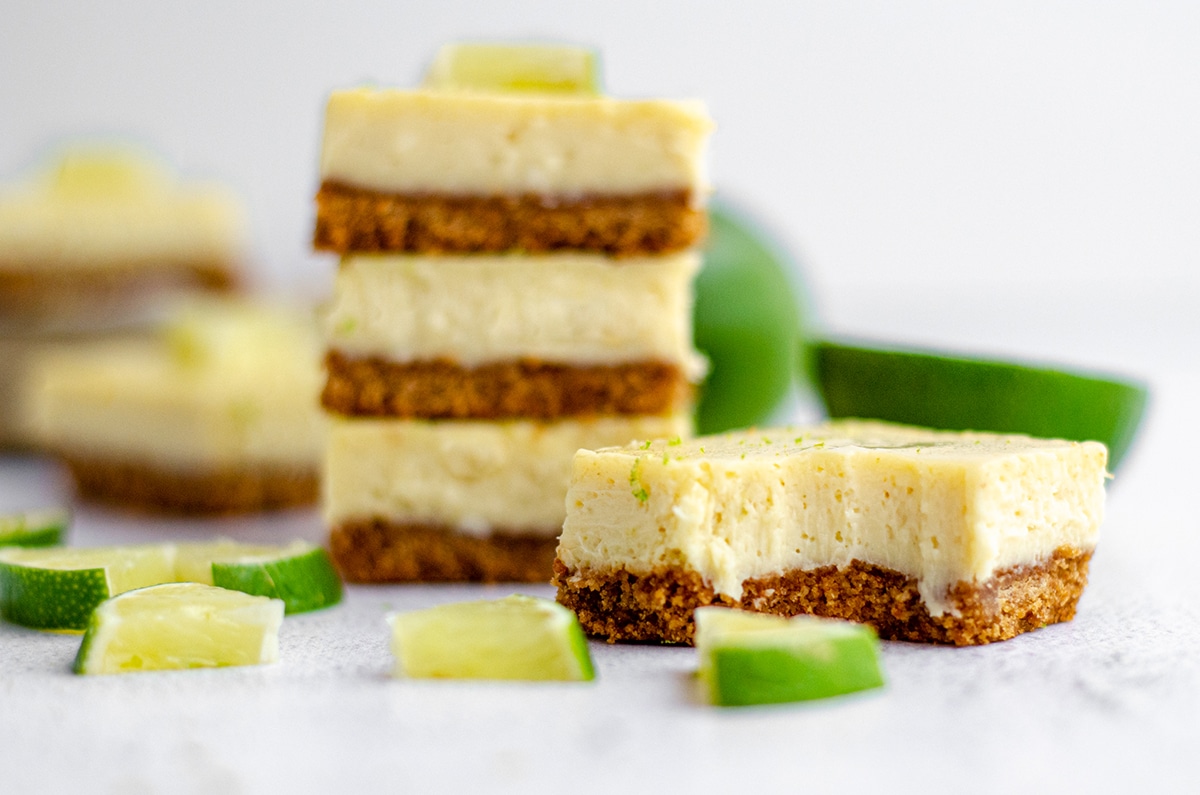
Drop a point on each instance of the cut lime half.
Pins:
(180, 625)
(45, 527)
(752, 658)
(935, 390)
(518, 637)
(300, 573)
(541, 68)
(57, 587)
(748, 322)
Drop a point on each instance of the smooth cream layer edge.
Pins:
(566, 308)
(423, 141)
(472, 476)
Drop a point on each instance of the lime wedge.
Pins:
(518, 637)
(300, 573)
(107, 172)
(57, 587)
(180, 625)
(544, 68)
(752, 658)
(956, 393)
(45, 527)
(747, 322)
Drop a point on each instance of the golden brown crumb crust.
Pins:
(52, 294)
(357, 219)
(441, 389)
(620, 606)
(155, 489)
(373, 550)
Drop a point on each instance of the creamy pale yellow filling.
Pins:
(40, 230)
(939, 507)
(565, 308)
(221, 393)
(472, 476)
(424, 141)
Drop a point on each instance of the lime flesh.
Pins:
(541, 68)
(933, 390)
(751, 658)
(518, 637)
(180, 625)
(748, 324)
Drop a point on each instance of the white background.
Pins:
(1019, 178)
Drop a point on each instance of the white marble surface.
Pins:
(1109, 702)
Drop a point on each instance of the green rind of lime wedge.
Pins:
(40, 528)
(515, 638)
(949, 392)
(748, 320)
(306, 581)
(53, 600)
(178, 626)
(749, 659)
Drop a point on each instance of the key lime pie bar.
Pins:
(219, 415)
(515, 284)
(104, 231)
(926, 535)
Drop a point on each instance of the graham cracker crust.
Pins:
(620, 606)
(357, 219)
(153, 489)
(529, 389)
(376, 551)
(58, 294)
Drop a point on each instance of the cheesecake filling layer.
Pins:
(131, 401)
(465, 144)
(473, 477)
(943, 508)
(475, 310)
(39, 232)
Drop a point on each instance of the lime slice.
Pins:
(752, 658)
(747, 322)
(518, 637)
(544, 68)
(180, 625)
(41, 528)
(955, 393)
(300, 573)
(107, 172)
(57, 587)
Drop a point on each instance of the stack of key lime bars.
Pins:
(518, 254)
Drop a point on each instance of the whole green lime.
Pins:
(748, 323)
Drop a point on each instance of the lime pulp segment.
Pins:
(180, 625)
(515, 638)
(542, 68)
(956, 393)
(749, 658)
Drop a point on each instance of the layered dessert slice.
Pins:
(104, 232)
(475, 166)
(219, 414)
(459, 500)
(510, 336)
(928, 536)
